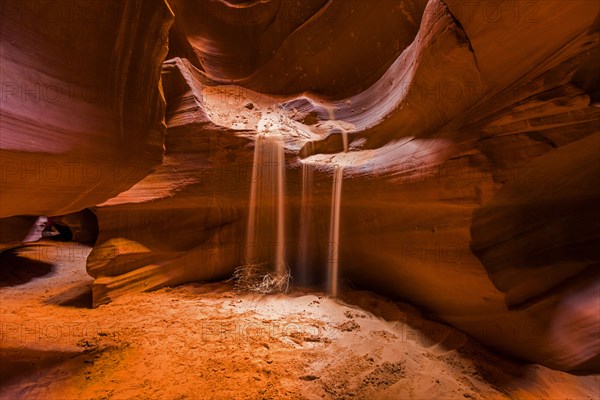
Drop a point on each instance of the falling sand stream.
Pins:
(266, 219)
(306, 214)
(334, 231)
(344, 133)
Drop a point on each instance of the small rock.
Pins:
(249, 106)
(348, 326)
(309, 377)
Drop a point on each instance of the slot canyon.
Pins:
(300, 199)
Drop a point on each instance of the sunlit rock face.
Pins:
(469, 182)
(82, 111)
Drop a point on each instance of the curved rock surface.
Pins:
(470, 180)
(82, 110)
(184, 222)
(335, 48)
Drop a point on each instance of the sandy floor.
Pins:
(205, 341)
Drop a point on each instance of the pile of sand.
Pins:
(206, 341)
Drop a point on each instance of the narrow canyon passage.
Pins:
(231, 199)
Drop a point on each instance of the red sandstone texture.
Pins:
(208, 341)
(470, 181)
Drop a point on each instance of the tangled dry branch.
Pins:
(260, 279)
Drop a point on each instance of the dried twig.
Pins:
(260, 279)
